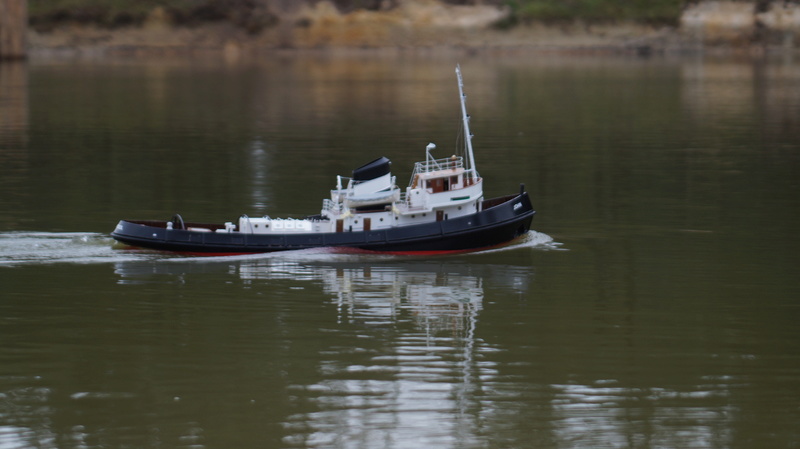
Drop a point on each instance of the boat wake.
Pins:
(531, 240)
(22, 248)
(26, 248)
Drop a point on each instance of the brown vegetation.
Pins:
(253, 26)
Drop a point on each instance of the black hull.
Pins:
(501, 220)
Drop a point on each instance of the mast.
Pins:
(465, 118)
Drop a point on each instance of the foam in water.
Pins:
(18, 248)
(531, 240)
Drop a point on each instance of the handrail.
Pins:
(447, 163)
(330, 205)
(434, 165)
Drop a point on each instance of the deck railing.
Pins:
(331, 206)
(433, 165)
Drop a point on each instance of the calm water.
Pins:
(656, 304)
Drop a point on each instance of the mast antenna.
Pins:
(465, 118)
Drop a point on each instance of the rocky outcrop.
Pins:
(295, 25)
(742, 23)
(425, 24)
(780, 23)
(406, 24)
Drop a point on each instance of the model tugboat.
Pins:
(441, 210)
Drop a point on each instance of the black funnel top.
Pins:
(372, 170)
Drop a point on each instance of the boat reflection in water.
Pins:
(439, 295)
(403, 360)
(388, 352)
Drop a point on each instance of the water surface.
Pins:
(654, 304)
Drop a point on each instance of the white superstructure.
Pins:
(439, 189)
